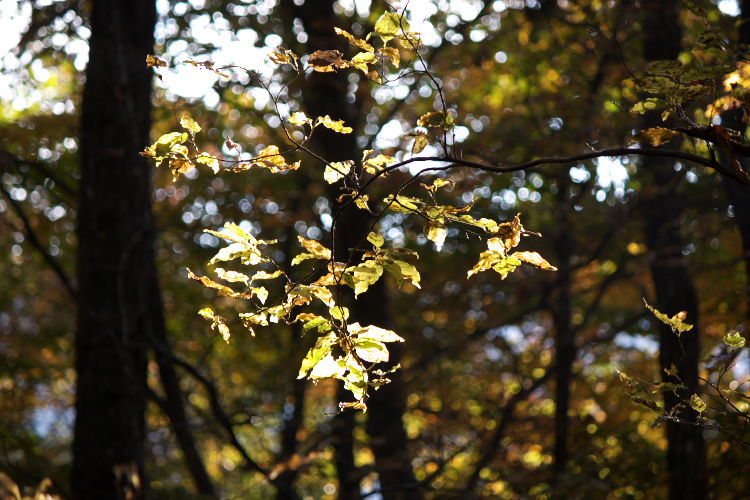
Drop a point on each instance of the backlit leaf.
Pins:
(436, 119)
(376, 239)
(364, 275)
(299, 118)
(655, 136)
(189, 124)
(697, 404)
(335, 125)
(336, 171)
(354, 40)
(326, 61)
(436, 232)
(734, 340)
(534, 259)
(676, 322)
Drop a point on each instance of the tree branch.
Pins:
(34, 240)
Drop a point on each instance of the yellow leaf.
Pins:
(392, 54)
(335, 125)
(354, 41)
(436, 119)
(361, 202)
(153, 61)
(336, 171)
(299, 118)
(189, 124)
(534, 259)
(361, 60)
(436, 232)
(655, 136)
(224, 331)
(210, 161)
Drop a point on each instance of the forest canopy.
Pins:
(400, 250)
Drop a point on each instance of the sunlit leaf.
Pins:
(734, 340)
(364, 275)
(436, 119)
(389, 26)
(335, 125)
(300, 118)
(436, 232)
(697, 404)
(376, 239)
(354, 40)
(326, 61)
(534, 259)
(154, 62)
(315, 250)
(189, 124)
(655, 136)
(210, 161)
(336, 171)
(393, 55)
(676, 322)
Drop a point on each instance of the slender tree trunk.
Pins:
(737, 193)
(115, 261)
(561, 315)
(174, 404)
(326, 94)
(686, 454)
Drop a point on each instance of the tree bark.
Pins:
(116, 276)
(326, 94)
(686, 454)
(561, 316)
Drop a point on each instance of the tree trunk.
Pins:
(116, 276)
(686, 454)
(325, 94)
(737, 193)
(561, 315)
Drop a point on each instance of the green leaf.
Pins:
(697, 404)
(734, 340)
(676, 322)
(648, 104)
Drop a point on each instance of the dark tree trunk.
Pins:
(326, 94)
(561, 315)
(118, 306)
(686, 454)
(174, 403)
(737, 193)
